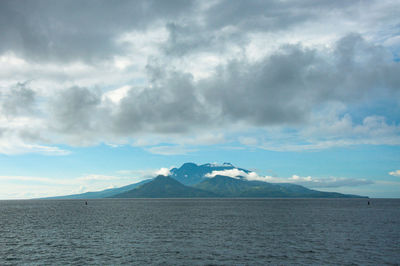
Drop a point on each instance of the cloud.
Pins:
(395, 173)
(249, 141)
(308, 181)
(116, 95)
(331, 126)
(19, 100)
(147, 173)
(66, 31)
(327, 182)
(237, 173)
(180, 74)
(164, 172)
(234, 173)
(12, 146)
(74, 110)
(283, 89)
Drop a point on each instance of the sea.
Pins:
(200, 232)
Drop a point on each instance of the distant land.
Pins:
(195, 181)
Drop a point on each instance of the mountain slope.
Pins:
(104, 193)
(164, 187)
(232, 187)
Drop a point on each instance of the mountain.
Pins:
(233, 187)
(191, 180)
(190, 174)
(104, 193)
(165, 187)
(223, 186)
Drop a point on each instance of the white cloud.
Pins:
(237, 173)
(163, 171)
(116, 95)
(327, 182)
(14, 146)
(395, 173)
(330, 127)
(234, 173)
(146, 173)
(307, 181)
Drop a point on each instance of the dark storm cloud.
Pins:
(77, 30)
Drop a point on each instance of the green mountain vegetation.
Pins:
(231, 187)
(165, 187)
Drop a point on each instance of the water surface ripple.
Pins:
(200, 231)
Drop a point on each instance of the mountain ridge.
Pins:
(192, 180)
(228, 186)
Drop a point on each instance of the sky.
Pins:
(100, 94)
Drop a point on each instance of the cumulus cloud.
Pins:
(18, 100)
(234, 173)
(395, 173)
(336, 129)
(164, 172)
(186, 76)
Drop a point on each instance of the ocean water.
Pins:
(200, 231)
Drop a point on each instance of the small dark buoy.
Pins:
(368, 202)
(86, 202)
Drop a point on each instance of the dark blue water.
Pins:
(200, 231)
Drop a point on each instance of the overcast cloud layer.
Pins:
(280, 75)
